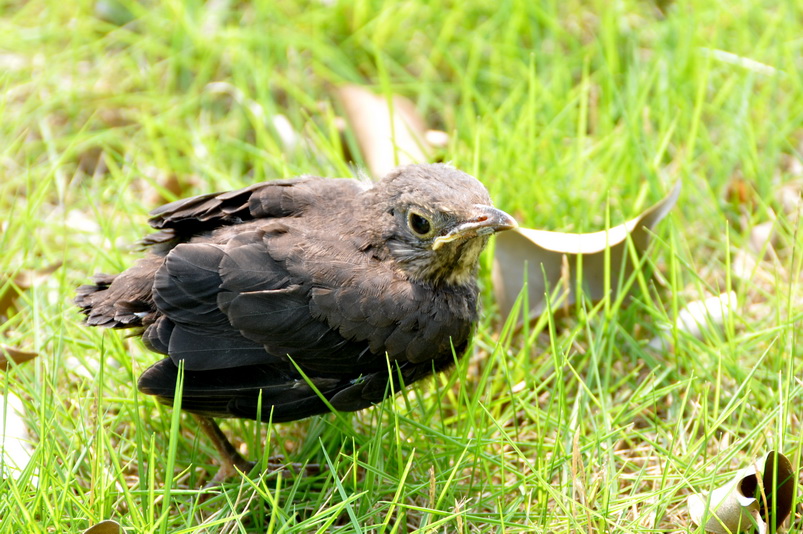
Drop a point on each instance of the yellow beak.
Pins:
(485, 220)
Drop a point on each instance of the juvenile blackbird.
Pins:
(355, 284)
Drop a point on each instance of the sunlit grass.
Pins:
(565, 110)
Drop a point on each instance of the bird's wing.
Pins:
(234, 304)
(240, 322)
(279, 198)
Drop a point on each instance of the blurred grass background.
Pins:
(573, 113)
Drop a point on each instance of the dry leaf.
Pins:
(748, 262)
(15, 445)
(104, 527)
(11, 287)
(558, 253)
(696, 317)
(437, 138)
(789, 194)
(761, 238)
(167, 187)
(388, 133)
(114, 12)
(287, 134)
(745, 266)
(13, 62)
(10, 354)
(79, 222)
(740, 61)
(760, 495)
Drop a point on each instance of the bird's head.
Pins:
(435, 220)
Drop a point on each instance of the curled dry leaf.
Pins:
(790, 194)
(527, 250)
(696, 317)
(11, 354)
(104, 527)
(15, 445)
(760, 496)
(287, 134)
(748, 264)
(11, 287)
(740, 61)
(437, 138)
(114, 12)
(388, 133)
(761, 237)
(167, 187)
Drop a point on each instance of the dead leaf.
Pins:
(740, 61)
(789, 195)
(167, 187)
(388, 133)
(92, 161)
(696, 317)
(525, 249)
(11, 287)
(741, 193)
(114, 12)
(287, 134)
(761, 238)
(760, 495)
(10, 354)
(104, 527)
(15, 445)
(437, 138)
(10, 291)
(10, 62)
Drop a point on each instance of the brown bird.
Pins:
(357, 285)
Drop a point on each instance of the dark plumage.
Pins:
(334, 276)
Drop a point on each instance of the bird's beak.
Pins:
(485, 220)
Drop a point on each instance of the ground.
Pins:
(576, 115)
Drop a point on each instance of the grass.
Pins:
(572, 113)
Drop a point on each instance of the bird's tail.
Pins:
(120, 301)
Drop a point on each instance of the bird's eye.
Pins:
(419, 224)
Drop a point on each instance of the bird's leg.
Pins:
(230, 459)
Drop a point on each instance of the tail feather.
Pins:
(121, 301)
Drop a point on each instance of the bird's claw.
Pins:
(277, 464)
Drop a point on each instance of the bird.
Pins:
(294, 297)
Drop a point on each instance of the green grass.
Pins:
(565, 110)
